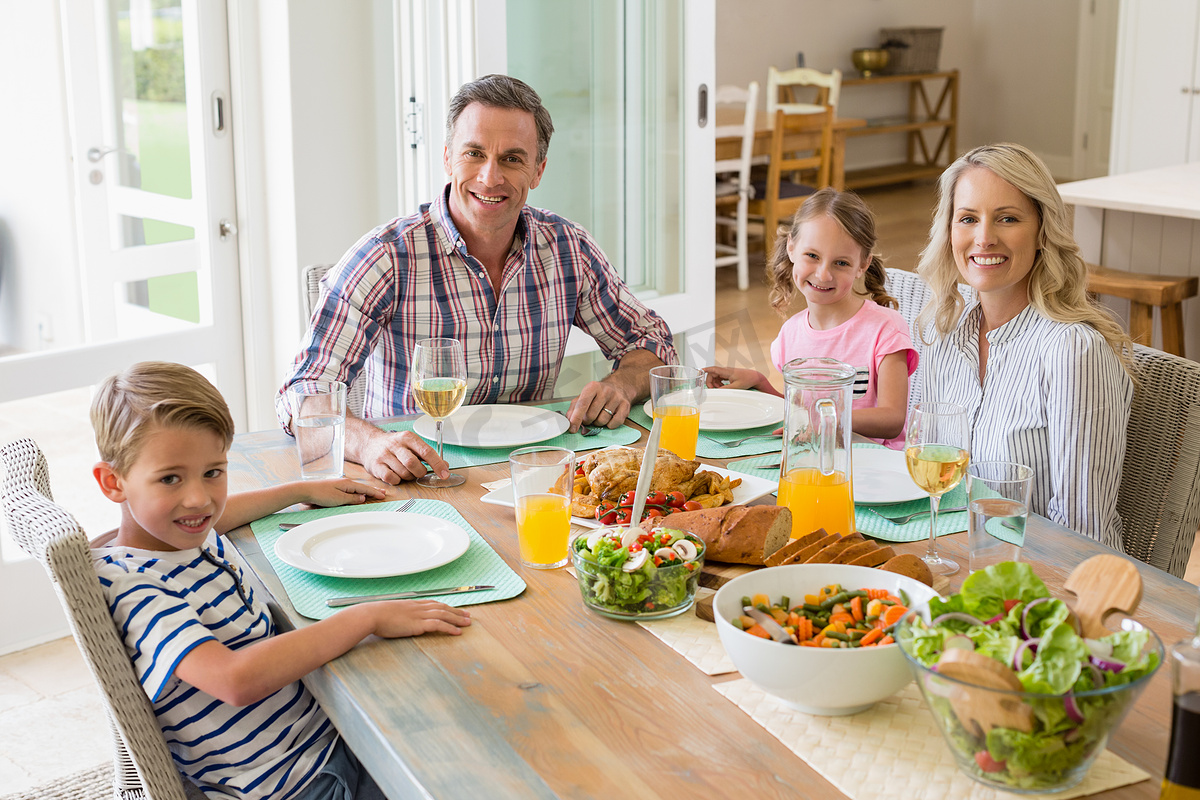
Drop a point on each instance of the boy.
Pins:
(224, 686)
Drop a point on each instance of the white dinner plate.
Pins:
(735, 410)
(495, 426)
(372, 544)
(751, 488)
(881, 476)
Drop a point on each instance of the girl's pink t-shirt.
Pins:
(861, 341)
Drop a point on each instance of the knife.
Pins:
(643, 482)
(338, 602)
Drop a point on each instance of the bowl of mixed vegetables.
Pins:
(818, 636)
(1024, 700)
(627, 573)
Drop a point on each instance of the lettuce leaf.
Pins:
(983, 593)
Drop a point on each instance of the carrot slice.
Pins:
(759, 631)
(892, 615)
(842, 617)
(873, 635)
(887, 640)
(856, 609)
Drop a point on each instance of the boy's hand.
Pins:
(338, 492)
(732, 378)
(399, 618)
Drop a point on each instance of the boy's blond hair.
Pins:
(130, 404)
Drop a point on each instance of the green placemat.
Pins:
(871, 520)
(476, 456)
(708, 445)
(308, 592)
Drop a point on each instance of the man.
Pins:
(480, 266)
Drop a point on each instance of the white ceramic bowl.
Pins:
(815, 680)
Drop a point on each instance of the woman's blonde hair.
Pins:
(854, 217)
(150, 394)
(1058, 278)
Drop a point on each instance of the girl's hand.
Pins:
(733, 378)
(398, 618)
(338, 492)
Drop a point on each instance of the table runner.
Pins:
(458, 456)
(308, 592)
(705, 448)
(894, 751)
(870, 519)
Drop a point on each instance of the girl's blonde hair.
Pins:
(128, 406)
(850, 212)
(1058, 278)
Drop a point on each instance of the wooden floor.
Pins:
(746, 324)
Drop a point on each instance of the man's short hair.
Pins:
(502, 91)
(152, 394)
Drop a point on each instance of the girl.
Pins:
(827, 249)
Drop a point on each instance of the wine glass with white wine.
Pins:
(439, 381)
(936, 449)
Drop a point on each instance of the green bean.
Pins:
(746, 601)
(840, 597)
(813, 609)
(839, 636)
(785, 602)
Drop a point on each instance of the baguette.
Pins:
(910, 566)
(806, 553)
(733, 534)
(854, 551)
(827, 554)
(794, 546)
(874, 558)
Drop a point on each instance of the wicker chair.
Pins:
(143, 764)
(1159, 499)
(310, 288)
(912, 294)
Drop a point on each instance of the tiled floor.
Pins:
(51, 720)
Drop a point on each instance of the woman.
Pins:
(1044, 372)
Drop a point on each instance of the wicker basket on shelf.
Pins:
(911, 49)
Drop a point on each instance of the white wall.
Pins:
(1016, 61)
(37, 215)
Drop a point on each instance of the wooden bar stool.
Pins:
(1145, 293)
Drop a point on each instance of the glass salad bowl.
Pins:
(1025, 703)
(628, 574)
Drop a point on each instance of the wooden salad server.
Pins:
(1103, 584)
(980, 710)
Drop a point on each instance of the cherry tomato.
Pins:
(633, 548)
(622, 515)
(676, 499)
(1008, 605)
(986, 763)
(609, 518)
(656, 499)
(692, 505)
(579, 470)
(652, 512)
(628, 498)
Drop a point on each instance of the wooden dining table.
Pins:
(729, 139)
(540, 697)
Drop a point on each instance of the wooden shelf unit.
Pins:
(923, 115)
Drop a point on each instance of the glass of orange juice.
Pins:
(677, 392)
(543, 479)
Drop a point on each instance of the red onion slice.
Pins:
(1097, 676)
(960, 616)
(995, 619)
(1072, 710)
(1025, 615)
(1108, 664)
(1019, 655)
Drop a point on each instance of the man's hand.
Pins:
(607, 402)
(392, 457)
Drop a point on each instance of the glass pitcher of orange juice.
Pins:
(814, 473)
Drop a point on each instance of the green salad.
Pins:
(1006, 613)
(626, 572)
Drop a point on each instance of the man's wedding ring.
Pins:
(609, 412)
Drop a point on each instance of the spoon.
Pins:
(769, 624)
(1103, 584)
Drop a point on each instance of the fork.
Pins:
(584, 430)
(736, 442)
(905, 518)
(405, 506)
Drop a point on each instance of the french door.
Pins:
(146, 87)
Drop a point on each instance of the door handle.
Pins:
(94, 154)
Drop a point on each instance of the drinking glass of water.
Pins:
(319, 425)
(998, 501)
(439, 381)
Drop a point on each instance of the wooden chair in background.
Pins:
(1146, 293)
(733, 185)
(800, 143)
(785, 87)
